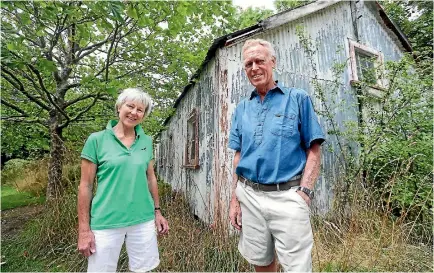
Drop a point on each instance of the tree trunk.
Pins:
(54, 186)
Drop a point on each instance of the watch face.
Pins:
(307, 192)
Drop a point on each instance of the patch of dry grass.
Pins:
(361, 239)
(32, 177)
(193, 246)
(367, 241)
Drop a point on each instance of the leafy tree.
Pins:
(282, 5)
(415, 18)
(247, 17)
(63, 62)
(392, 157)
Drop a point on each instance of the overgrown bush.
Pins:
(385, 158)
(398, 160)
(26, 176)
(13, 170)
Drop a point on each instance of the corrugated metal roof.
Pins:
(270, 22)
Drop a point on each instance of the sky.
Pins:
(268, 4)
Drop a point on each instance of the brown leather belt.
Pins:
(295, 181)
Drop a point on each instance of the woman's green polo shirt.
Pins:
(122, 197)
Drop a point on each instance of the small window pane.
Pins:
(366, 68)
(191, 152)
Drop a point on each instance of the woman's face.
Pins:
(131, 113)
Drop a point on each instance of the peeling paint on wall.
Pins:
(222, 83)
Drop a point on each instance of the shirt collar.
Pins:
(137, 128)
(277, 88)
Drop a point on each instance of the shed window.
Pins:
(366, 68)
(366, 64)
(192, 142)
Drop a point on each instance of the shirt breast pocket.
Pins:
(283, 125)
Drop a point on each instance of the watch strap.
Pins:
(307, 191)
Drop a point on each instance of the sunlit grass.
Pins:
(12, 198)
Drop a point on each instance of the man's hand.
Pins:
(235, 213)
(161, 223)
(305, 197)
(86, 243)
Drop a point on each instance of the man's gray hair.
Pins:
(254, 42)
(137, 95)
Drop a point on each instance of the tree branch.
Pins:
(91, 48)
(36, 13)
(109, 52)
(41, 83)
(14, 107)
(84, 97)
(80, 113)
(19, 120)
(21, 88)
(35, 86)
(94, 47)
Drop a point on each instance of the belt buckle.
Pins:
(277, 186)
(243, 181)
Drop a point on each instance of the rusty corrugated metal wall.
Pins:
(169, 153)
(223, 83)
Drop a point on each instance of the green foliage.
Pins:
(24, 140)
(249, 17)
(26, 176)
(398, 153)
(282, 5)
(70, 58)
(64, 67)
(415, 19)
(388, 150)
(13, 170)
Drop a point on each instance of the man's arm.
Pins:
(234, 206)
(86, 239)
(311, 170)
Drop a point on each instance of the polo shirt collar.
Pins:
(137, 128)
(277, 88)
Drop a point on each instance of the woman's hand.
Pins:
(86, 243)
(161, 223)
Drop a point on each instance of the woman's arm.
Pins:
(160, 221)
(86, 239)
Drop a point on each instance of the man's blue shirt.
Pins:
(273, 135)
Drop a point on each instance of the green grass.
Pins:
(11, 198)
(18, 258)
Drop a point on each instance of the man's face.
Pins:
(259, 65)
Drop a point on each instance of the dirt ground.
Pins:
(13, 220)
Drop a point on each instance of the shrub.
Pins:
(13, 170)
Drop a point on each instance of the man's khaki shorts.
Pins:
(275, 221)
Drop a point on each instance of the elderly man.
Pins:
(277, 138)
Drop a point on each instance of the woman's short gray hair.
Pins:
(254, 42)
(137, 95)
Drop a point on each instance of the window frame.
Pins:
(192, 163)
(379, 64)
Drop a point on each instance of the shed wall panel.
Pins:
(222, 84)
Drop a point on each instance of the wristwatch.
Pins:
(307, 191)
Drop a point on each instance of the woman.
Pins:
(126, 202)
